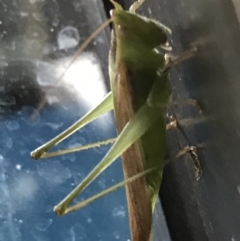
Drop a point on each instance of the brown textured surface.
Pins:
(139, 207)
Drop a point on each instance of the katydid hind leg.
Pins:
(79, 148)
(136, 128)
(169, 126)
(113, 188)
(103, 107)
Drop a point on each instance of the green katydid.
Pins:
(140, 94)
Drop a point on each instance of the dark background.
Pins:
(33, 53)
(207, 209)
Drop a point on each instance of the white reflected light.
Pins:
(85, 78)
(82, 82)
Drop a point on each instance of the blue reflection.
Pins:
(31, 189)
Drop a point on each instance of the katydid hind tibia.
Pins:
(140, 94)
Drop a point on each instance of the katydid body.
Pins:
(140, 93)
(139, 83)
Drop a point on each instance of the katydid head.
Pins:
(139, 30)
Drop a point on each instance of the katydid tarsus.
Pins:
(140, 94)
